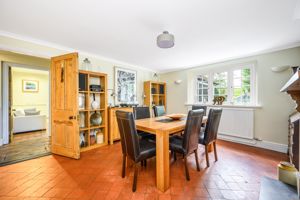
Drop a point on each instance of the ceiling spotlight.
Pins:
(165, 40)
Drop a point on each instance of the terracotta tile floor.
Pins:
(97, 175)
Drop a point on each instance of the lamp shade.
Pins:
(165, 40)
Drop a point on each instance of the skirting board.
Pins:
(283, 148)
(1, 142)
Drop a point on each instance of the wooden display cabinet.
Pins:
(155, 93)
(92, 135)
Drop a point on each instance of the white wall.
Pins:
(23, 100)
(271, 120)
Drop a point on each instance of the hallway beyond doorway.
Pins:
(24, 147)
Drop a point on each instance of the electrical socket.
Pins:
(257, 139)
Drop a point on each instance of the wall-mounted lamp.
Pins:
(278, 69)
(113, 94)
(178, 82)
(155, 77)
(86, 64)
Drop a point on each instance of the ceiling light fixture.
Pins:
(165, 40)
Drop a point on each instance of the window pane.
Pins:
(241, 86)
(202, 87)
(200, 98)
(220, 84)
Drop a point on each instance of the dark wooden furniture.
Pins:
(132, 147)
(209, 136)
(292, 87)
(188, 143)
(271, 189)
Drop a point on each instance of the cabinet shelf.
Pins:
(93, 78)
(93, 147)
(92, 92)
(155, 93)
(97, 127)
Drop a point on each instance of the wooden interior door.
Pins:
(64, 106)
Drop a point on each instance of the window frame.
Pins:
(197, 95)
(230, 76)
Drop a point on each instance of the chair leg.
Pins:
(215, 151)
(123, 166)
(145, 163)
(135, 177)
(206, 154)
(175, 157)
(187, 174)
(197, 161)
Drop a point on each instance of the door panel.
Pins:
(64, 106)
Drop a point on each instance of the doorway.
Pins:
(25, 103)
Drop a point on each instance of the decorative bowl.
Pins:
(176, 116)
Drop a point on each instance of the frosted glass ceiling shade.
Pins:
(165, 40)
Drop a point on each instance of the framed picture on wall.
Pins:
(125, 85)
(30, 86)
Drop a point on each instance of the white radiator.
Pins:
(237, 122)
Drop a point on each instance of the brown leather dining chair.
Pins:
(143, 113)
(198, 107)
(209, 135)
(133, 148)
(188, 143)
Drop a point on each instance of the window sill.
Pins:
(226, 105)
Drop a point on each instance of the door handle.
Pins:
(62, 75)
(72, 117)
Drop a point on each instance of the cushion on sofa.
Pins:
(19, 113)
(29, 112)
(29, 109)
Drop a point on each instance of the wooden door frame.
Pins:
(4, 111)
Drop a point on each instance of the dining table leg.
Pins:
(162, 161)
(210, 148)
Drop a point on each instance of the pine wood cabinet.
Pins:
(155, 93)
(92, 102)
(114, 133)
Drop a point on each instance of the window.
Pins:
(241, 86)
(220, 84)
(202, 88)
(235, 84)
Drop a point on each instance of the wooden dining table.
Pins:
(162, 127)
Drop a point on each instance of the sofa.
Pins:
(28, 120)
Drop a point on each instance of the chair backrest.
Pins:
(197, 107)
(159, 111)
(212, 125)
(141, 112)
(192, 130)
(129, 136)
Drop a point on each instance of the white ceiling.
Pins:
(205, 31)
